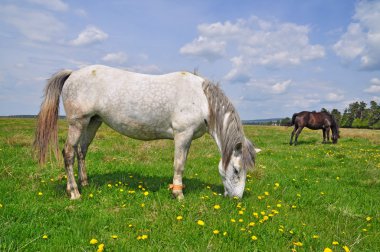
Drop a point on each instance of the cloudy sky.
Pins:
(272, 58)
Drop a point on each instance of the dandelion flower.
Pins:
(93, 241)
(368, 218)
(251, 224)
(266, 193)
(327, 250)
(142, 237)
(1, 205)
(142, 205)
(254, 237)
(241, 220)
(233, 220)
(298, 244)
(179, 217)
(114, 236)
(40, 193)
(364, 230)
(241, 212)
(216, 207)
(335, 243)
(109, 185)
(100, 247)
(216, 231)
(91, 195)
(276, 184)
(44, 236)
(146, 193)
(346, 249)
(279, 205)
(200, 222)
(315, 236)
(225, 233)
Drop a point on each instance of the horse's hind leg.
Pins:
(292, 135)
(182, 143)
(76, 128)
(299, 130)
(86, 139)
(324, 135)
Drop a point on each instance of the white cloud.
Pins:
(118, 58)
(205, 47)
(34, 25)
(375, 87)
(334, 97)
(362, 38)
(90, 35)
(56, 5)
(281, 87)
(251, 42)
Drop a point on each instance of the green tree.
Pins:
(337, 115)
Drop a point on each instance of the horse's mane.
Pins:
(222, 112)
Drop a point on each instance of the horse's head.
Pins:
(235, 173)
(335, 134)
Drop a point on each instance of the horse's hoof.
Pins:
(177, 194)
(84, 183)
(75, 196)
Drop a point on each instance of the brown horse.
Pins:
(315, 120)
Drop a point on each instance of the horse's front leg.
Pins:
(182, 143)
(328, 134)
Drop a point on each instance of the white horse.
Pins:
(180, 106)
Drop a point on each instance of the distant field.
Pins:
(305, 198)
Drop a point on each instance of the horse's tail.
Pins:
(293, 119)
(47, 121)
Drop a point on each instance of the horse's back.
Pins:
(138, 105)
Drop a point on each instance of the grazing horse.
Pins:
(180, 106)
(315, 121)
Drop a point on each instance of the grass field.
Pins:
(304, 198)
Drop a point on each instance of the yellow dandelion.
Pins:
(109, 185)
(364, 230)
(233, 220)
(256, 215)
(335, 243)
(216, 207)
(1, 205)
(368, 218)
(279, 205)
(315, 236)
(276, 184)
(251, 224)
(216, 231)
(100, 247)
(40, 193)
(294, 206)
(121, 190)
(144, 237)
(266, 193)
(281, 230)
(44, 236)
(265, 218)
(146, 193)
(322, 193)
(179, 217)
(291, 232)
(114, 236)
(254, 237)
(327, 250)
(298, 195)
(142, 205)
(91, 195)
(259, 197)
(298, 244)
(130, 225)
(200, 222)
(241, 220)
(225, 233)
(93, 241)
(241, 212)
(346, 249)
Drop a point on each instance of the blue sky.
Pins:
(272, 58)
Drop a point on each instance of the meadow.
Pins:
(310, 197)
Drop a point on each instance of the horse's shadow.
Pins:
(153, 183)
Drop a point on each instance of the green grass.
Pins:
(324, 191)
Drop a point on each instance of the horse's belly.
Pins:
(140, 130)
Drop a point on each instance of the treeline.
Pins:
(357, 115)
